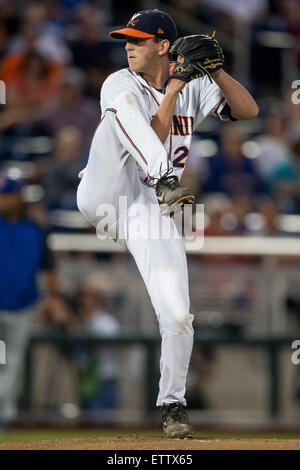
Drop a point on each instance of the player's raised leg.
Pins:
(129, 120)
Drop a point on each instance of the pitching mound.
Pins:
(134, 442)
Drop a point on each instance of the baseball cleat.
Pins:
(175, 422)
(176, 210)
(169, 193)
(165, 209)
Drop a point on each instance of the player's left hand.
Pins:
(202, 55)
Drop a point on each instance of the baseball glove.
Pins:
(201, 55)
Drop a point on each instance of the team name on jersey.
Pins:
(182, 125)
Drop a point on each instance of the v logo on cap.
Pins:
(135, 16)
(148, 24)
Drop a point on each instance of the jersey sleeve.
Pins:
(114, 87)
(211, 101)
(223, 111)
(131, 122)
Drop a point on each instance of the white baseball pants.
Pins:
(163, 266)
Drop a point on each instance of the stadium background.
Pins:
(55, 56)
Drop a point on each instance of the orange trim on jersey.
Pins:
(170, 150)
(218, 106)
(111, 109)
(127, 136)
(131, 141)
(146, 88)
(150, 93)
(148, 178)
(135, 33)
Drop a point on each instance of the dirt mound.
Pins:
(134, 442)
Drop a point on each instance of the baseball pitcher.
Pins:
(139, 151)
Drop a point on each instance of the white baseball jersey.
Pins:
(128, 104)
(126, 153)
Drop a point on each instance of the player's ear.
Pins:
(164, 46)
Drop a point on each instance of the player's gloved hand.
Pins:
(202, 55)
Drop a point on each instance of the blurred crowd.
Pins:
(54, 58)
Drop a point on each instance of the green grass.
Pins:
(33, 435)
(24, 435)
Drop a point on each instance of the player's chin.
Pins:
(134, 66)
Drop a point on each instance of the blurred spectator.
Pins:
(9, 23)
(270, 215)
(231, 15)
(241, 11)
(199, 9)
(99, 384)
(71, 108)
(90, 53)
(37, 33)
(201, 371)
(96, 74)
(289, 11)
(293, 117)
(286, 182)
(59, 174)
(273, 49)
(29, 85)
(190, 7)
(72, 4)
(226, 216)
(58, 16)
(30, 72)
(230, 172)
(56, 315)
(216, 206)
(88, 47)
(123, 11)
(34, 82)
(273, 147)
(241, 207)
(23, 253)
(190, 180)
(55, 370)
